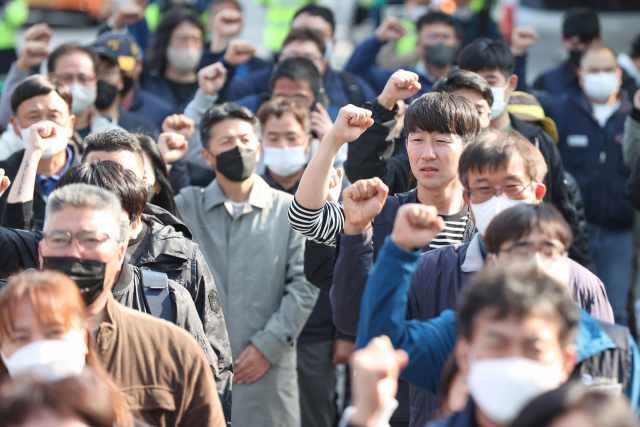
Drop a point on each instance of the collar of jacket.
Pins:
(259, 197)
(527, 130)
(155, 213)
(591, 339)
(584, 104)
(473, 260)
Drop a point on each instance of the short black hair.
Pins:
(38, 85)
(68, 49)
(517, 291)
(495, 150)
(315, 10)
(443, 112)
(227, 111)
(157, 51)
(487, 54)
(582, 22)
(114, 177)
(521, 220)
(112, 141)
(462, 79)
(164, 198)
(306, 34)
(296, 69)
(434, 16)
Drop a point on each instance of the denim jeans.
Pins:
(612, 253)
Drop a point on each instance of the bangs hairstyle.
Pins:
(71, 48)
(495, 150)
(517, 292)
(38, 85)
(462, 79)
(112, 141)
(296, 69)
(521, 220)
(446, 113)
(306, 35)
(227, 111)
(487, 54)
(280, 106)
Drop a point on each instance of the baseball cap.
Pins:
(527, 108)
(119, 47)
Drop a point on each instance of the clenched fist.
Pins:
(416, 226)
(211, 78)
(35, 49)
(522, 38)
(180, 124)
(351, 122)
(227, 23)
(238, 52)
(391, 29)
(400, 86)
(172, 146)
(362, 201)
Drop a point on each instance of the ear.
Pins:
(513, 84)
(209, 159)
(136, 228)
(40, 260)
(491, 260)
(461, 352)
(145, 179)
(569, 362)
(122, 249)
(258, 151)
(16, 128)
(541, 190)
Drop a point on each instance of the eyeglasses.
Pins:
(524, 251)
(90, 240)
(69, 78)
(432, 38)
(482, 194)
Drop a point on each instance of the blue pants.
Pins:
(612, 253)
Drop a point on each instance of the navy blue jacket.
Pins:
(242, 70)
(593, 155)
(149, 107)
(157, 83)
(362, 63)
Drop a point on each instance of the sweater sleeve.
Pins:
(320, 225)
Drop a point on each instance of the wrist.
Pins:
(22, 65)
(401, 243)
(218, 44)
(518, 51)
(332, 142)
(355, 228)
(386, 102)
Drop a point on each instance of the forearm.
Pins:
(320, 225)
(25, 181)
(314, 185)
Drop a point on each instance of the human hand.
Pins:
(227, 23)
(402, 109)
(173, 146)
(391, 29)
(351, 122)
(400, 86)
(522, 38)
(415, 226)
(211, 78)
(250, 366)
(35, 49)
(320, 121)
(375, 372)
(39, 32)
(5, 182)
(41, 137)
(636, 100)
(335, 185)
(128, 14)
(238, 52)
(362, 201)
(180, 124)
(342, 351)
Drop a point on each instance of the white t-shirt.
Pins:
(238, 207)
(602, 112)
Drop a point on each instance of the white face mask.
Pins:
(601, 86)
(49, 360)
(83, 97)
(502, 387)
(484, 213)
(499, 103)
(285, 162)
(59, 143)
(184, 60)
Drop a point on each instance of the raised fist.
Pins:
(522, 38)
(211, 78)
(391, 29)
(351, 122)
(4, 182)
(400, 86)
(180, 124)
(416, 226)
(39, 33)
(172, 146)
(238, 52)
(35, 49)
(128, 14)
(362, 201)
(227, 23)
(42, 136)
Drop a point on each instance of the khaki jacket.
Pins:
(160, 369)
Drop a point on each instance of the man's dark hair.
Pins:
(38, 85)
(495, 150)
(582, 22)
(304, 35)
(435, 16)
(462, 79)
(443, 113)
(280, 106)
(296, 69)
(519, 292)
(521, 220)
(323, 12)
(487, 54)
(112, 141)
(156, 53)
(227, 111)
(114, 177)
(68, 49)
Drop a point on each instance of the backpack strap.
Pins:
(353, 90)
(156, 291)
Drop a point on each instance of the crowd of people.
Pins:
(191, 235)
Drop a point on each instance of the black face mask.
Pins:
(128, 84)
(236, 164)
(106, 95)
(87, 273)
(440, 55)
(574, 57)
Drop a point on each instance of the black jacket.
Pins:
(13, 215)
(18, 251)
(556, 189)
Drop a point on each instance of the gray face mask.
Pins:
(83, 97)
(440, 55)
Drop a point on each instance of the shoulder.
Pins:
(581, 277)
(190, 195)
(443, 257)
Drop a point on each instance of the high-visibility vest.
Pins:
(14, 17)
(278, 19)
